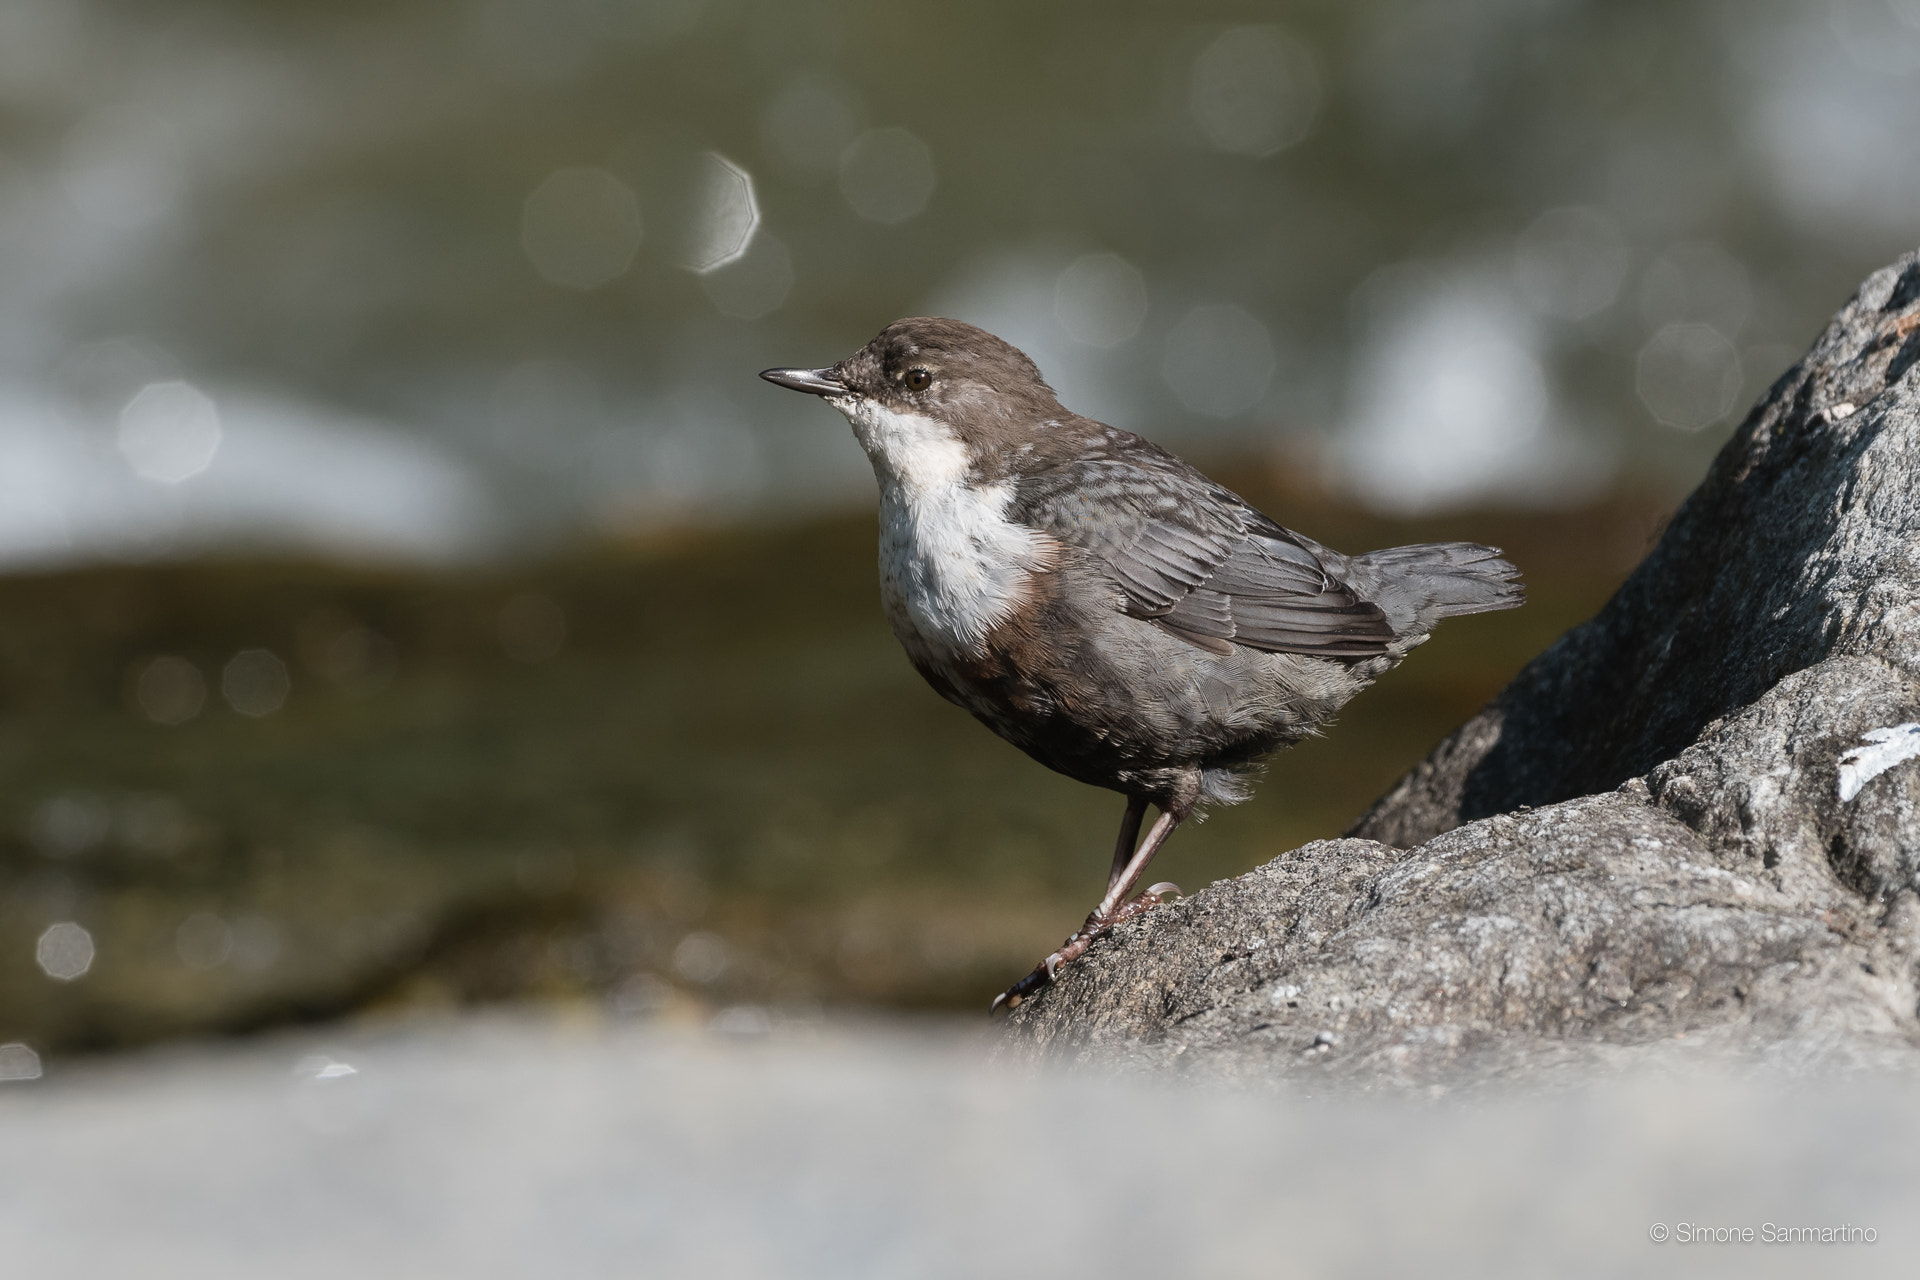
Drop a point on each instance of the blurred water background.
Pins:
(412, 598)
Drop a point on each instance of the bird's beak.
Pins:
(819, 382)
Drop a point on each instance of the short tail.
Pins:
(1418, 586)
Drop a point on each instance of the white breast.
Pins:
(952, 566)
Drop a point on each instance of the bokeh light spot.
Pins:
(169, 432)
(64, 952)
(580, 228)
(255, 682)
(72, 823)
(1570, 263)
(1688, 375)
(359, 660)
(700, 957)
(1100, 300)
(810, 122)
(19, 1062)
(1219, 360)
(170, 690)
(1255, 91)
(203, 941)
(726, 214)
(641, 996)
(887, 175)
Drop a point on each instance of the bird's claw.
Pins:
(1016, 995)
(1048, 970)
(1043, 974)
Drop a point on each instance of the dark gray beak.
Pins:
(819, 382)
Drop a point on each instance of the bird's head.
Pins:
(925, 383)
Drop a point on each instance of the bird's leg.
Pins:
(1129, 836)
(1112, 909)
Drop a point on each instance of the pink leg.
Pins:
(1129, 836)
(1113, 908)
(1123, 883)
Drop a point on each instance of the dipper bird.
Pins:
(1102, 605)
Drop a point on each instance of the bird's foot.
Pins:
(1152, 896)
(1070, 950)
(1016, 995)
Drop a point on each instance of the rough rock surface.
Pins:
(1663, 830)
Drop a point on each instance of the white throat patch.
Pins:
(952, 566)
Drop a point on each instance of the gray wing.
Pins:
(1195, 558)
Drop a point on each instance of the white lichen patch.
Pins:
(1883, 749)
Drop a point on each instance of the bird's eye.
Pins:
(918, 379)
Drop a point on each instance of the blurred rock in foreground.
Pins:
(1696, 816)
(564, 1147)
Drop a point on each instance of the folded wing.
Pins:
(1193, 557)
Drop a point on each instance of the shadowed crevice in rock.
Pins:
(1643, 838)
(1768, 567)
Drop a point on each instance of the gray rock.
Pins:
(1671, 830)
